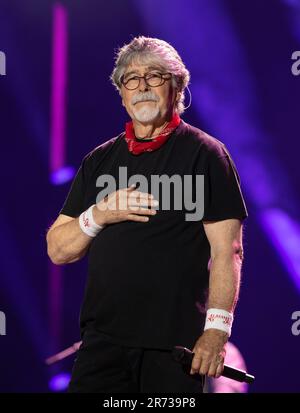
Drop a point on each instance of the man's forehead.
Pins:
(141, 68)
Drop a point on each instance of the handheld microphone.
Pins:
(185, 356)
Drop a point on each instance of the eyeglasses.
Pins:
(151, 79)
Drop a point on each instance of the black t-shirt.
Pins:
(147, 281)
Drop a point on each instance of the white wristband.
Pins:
(219, 319)
(87, 223)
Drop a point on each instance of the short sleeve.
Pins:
(74, 203)
(223, 198)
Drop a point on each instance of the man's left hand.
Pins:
(209, 353)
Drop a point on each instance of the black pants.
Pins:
(101, 367)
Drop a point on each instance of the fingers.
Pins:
(137, 218)
(137, 199)
(131, 187)
(196, 363)
(132, 190)
(143, 211)
(142, 207)
(128, 204)
(129, 198)
(211, 371)
(204, 365)
(200, 365)
(140, 196)
(143, 203)
(216, 369)
(219, 370)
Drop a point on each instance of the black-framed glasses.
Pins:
(152, 79)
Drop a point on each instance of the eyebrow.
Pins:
(147, 68)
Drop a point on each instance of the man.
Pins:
(148, 277)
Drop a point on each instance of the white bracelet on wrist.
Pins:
(219, 319)
(87, 223)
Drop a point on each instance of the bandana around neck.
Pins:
(138, 146)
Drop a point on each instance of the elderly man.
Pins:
(149, 287)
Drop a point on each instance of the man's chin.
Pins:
(146, 117)
(145, 121)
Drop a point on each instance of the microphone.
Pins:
(185, 356)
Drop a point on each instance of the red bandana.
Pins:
(137, 147)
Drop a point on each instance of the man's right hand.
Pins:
(126, 204)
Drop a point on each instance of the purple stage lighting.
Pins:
(62, 175)
(59, 382)
(58, 88)
(284, 233)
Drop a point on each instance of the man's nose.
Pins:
(143, 85)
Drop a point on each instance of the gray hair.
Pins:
(148, 50)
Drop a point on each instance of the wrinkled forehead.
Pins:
(144, 63)
(140, 69)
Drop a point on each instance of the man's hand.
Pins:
(209, 353)
(126, 204)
